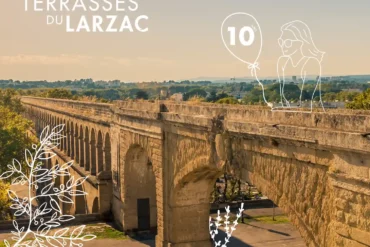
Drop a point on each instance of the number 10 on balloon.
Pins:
(246, 35)
(242, 37)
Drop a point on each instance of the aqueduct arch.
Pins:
(316, 167)
(80, 202)
(190, 205)
(139, 189)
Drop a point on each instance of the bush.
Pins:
(4, 201)
(196, 99)
(361, 101)
(228, 100)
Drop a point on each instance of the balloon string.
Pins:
(253, 67)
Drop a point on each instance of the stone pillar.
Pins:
(187, 226)
(105, 193)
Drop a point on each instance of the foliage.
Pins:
(249, 91)
(142, 95)
(228, 100)
(214, 96)
(197, 99)
(341, 96)
(105, 232)
(253, 97)
(59, 93)
(13, 138)
(361, 101)
(9, 99)
(198, 92)
(279, 219)
(40, 179)
(99, 94)
(4, 201)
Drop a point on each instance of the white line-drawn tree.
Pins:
(229, 227)
(47, 215)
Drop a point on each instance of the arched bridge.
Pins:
(155, 164)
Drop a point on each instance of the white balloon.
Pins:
(252, 22)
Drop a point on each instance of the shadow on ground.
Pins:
(233, 241)
(145, 238)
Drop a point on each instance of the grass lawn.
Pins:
(104, 232)
(101, 231)
(280, 219)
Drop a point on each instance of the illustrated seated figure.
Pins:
(301, 58)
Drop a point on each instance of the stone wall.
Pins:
(316, 167)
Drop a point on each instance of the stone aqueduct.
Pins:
(316, 167)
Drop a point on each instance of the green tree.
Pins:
(329, 97)
(142, 95)
(13, 137)
(9, 99)
(228, 100)
(361, 101)
(4, 201)
(253, 97)
(195, 92)
(59, 93)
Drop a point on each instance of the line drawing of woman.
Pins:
(299, 52)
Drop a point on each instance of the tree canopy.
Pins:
(59, 93)
(361, 101)
(13, 130)
(4, 201)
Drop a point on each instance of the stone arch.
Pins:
(95, 207)
(87, 149)
(190, 197)
(107, 152)
(80, 202)
(92, 153)
(99, 153)
(139, 183)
